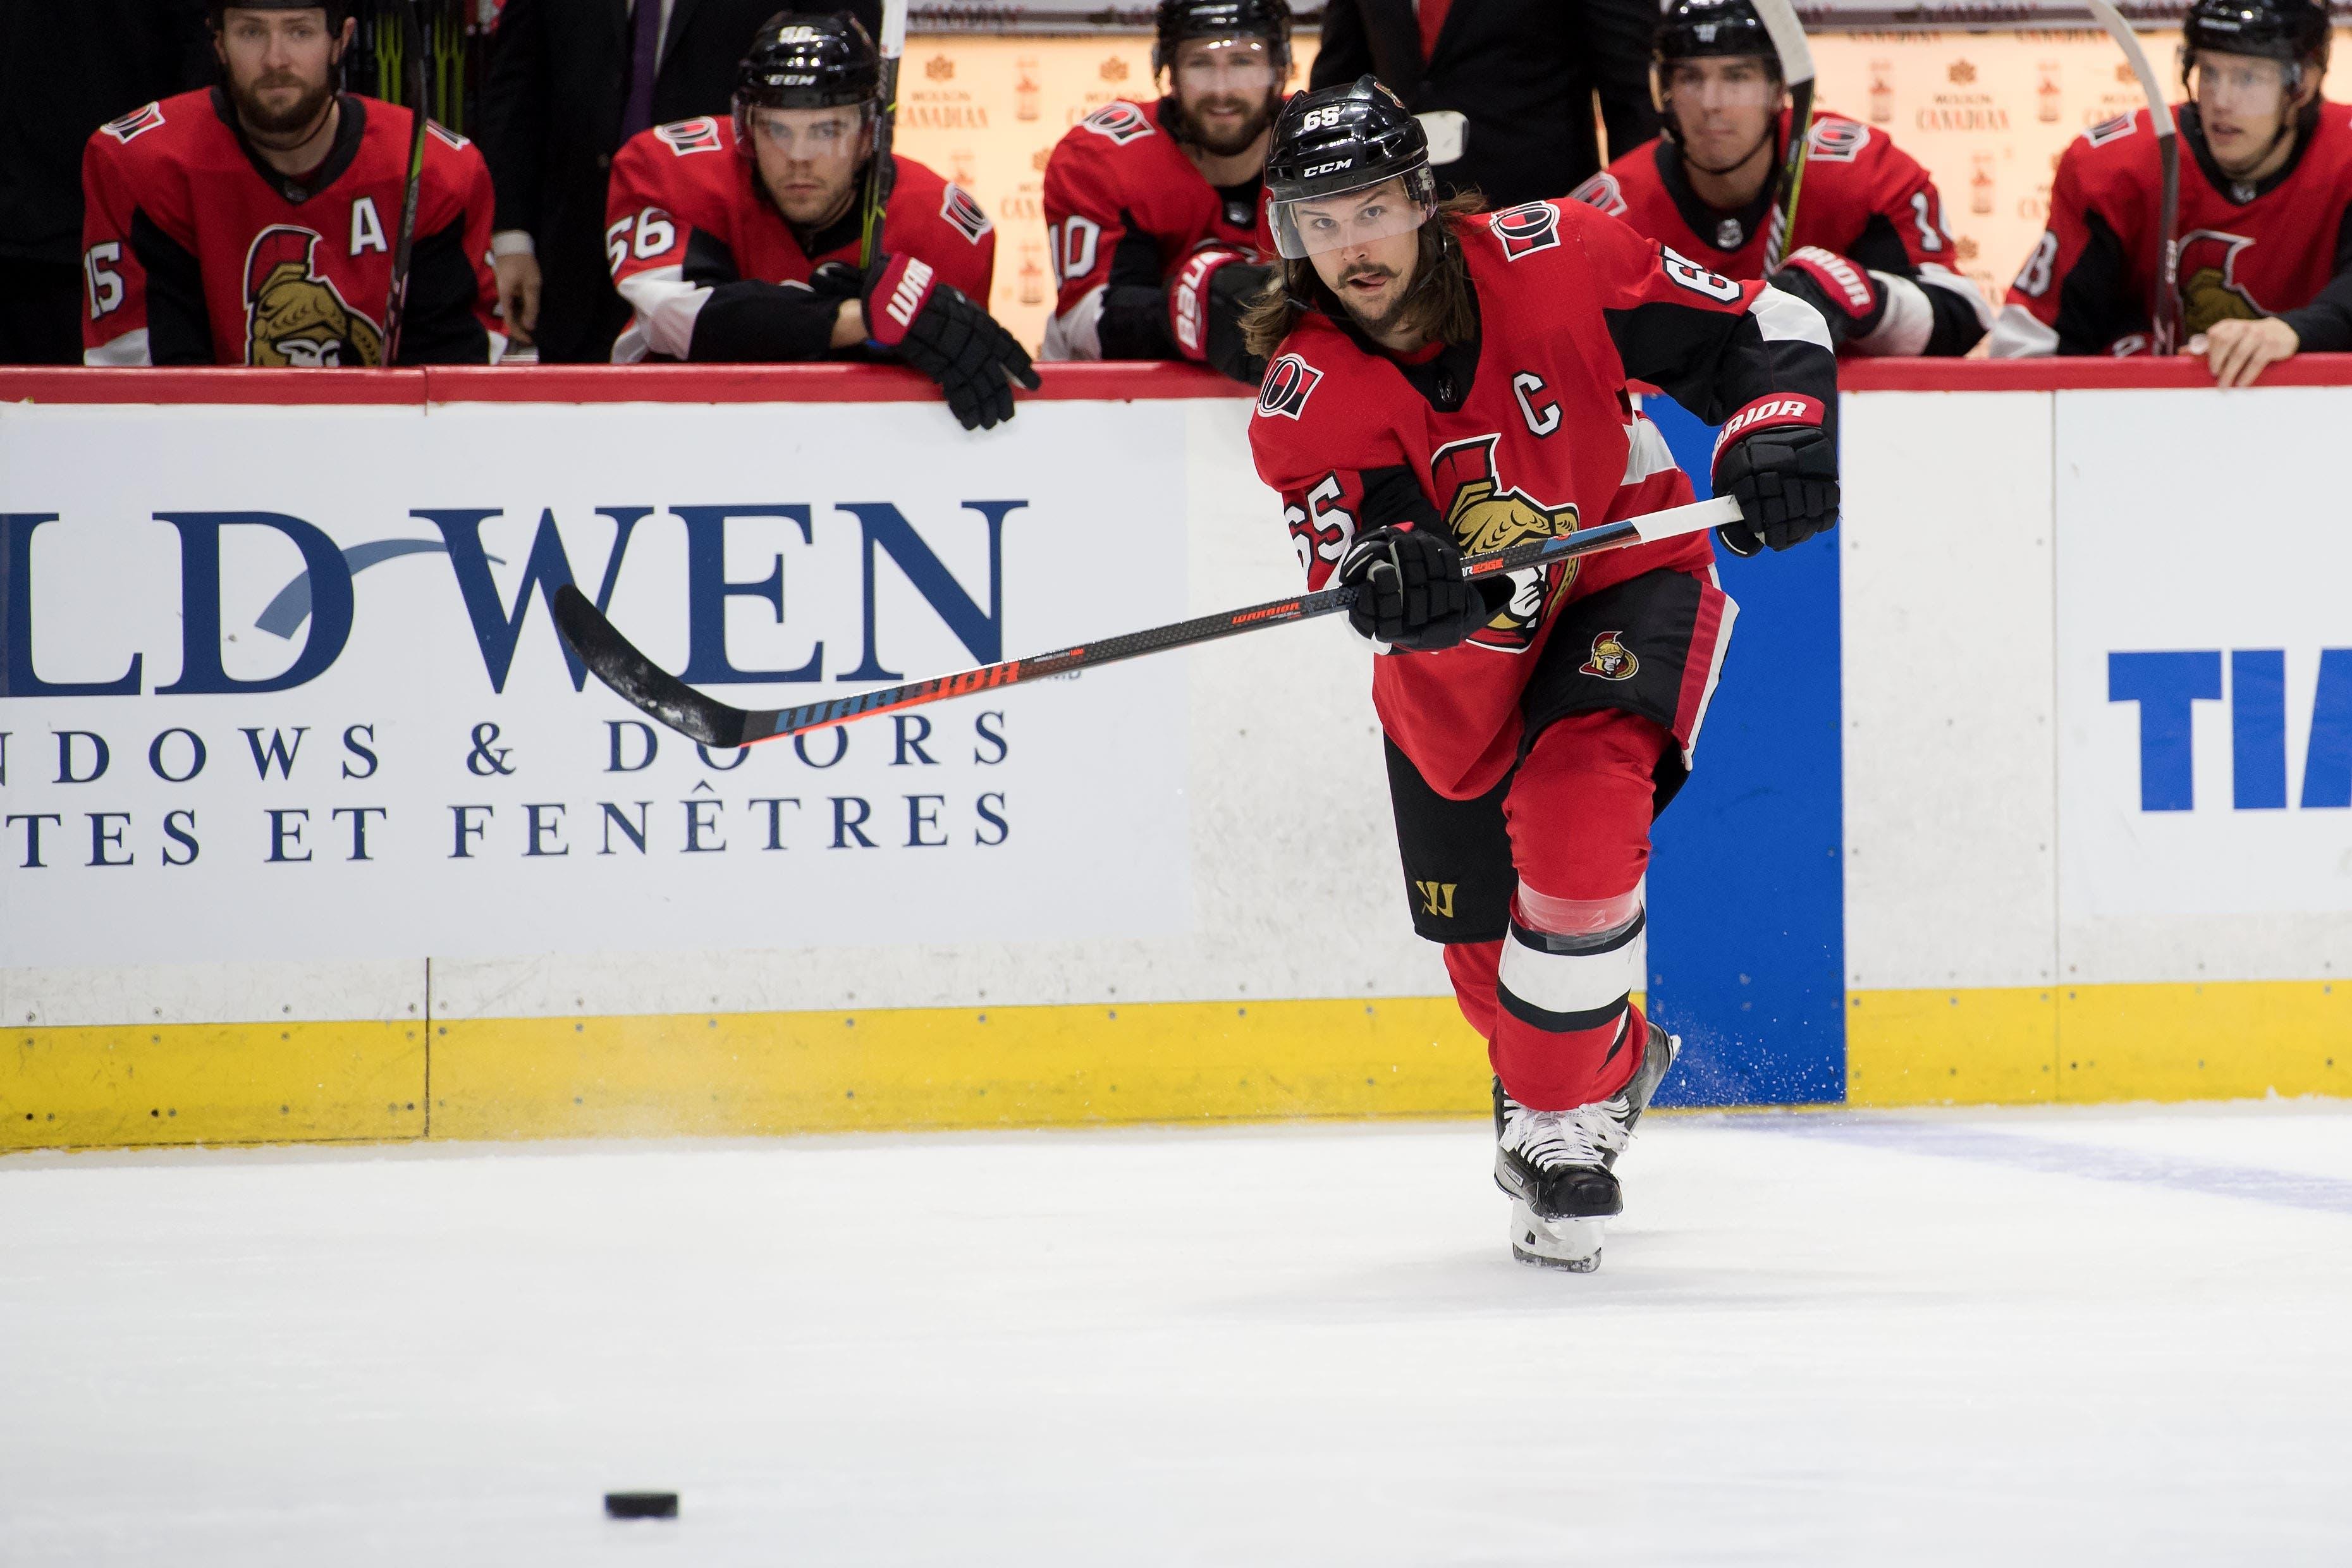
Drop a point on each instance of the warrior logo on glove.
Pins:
(1483, 514)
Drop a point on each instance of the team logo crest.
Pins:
(1525, 230)
(1290, 383)
(138, 123)
(1483, 513)
(2114, 130)
(1119, 120)
(1836, 140)
(294, 317)
(2209, 289)
(963, 214)
(1601, 191)
(1611, 659)
(688, 136)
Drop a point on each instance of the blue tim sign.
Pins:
(2169, 685)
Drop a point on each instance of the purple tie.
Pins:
(644, 57)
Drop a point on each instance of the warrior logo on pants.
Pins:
(1483, 514)
(293, 316)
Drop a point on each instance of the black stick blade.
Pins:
(618, 664)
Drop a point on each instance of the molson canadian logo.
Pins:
(294, 317)
(1484, 514)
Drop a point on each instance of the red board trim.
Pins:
(891, 384)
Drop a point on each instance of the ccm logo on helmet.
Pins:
(1326, 168)
(1789, 408)
(1290, 383)
(1527, 230)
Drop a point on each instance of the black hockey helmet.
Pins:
(2291, 31)
(1694, 29)
(816, 60)
(336, 10)
(1182, 19)
(1338, 140)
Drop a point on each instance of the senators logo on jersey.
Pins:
(2209, 289)
(1290, 383)
(1611, 659)
(1484, 514)
(1524, 230)
(687, 136)
(136, 123)
(294, 317)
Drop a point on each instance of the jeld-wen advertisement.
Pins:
(283, 683)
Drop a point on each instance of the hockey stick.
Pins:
(1788, 34)
(412, 50)
(620, 665)
(2164, 320)
(878, 177)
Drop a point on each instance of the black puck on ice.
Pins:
(641, 1505)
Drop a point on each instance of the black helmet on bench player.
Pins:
(1334, 143)
(807, 62)
(2293, 32)
(336, 10)
(1182, 19)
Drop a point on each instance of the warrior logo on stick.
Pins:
(294, 317)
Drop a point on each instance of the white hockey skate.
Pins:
(1557, 1166)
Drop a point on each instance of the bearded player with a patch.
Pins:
(1152, 210)
(2265, 222)
(1440, 383)
(1870, 249)
(253, 222)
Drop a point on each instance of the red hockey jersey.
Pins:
(1123, 206)
(2269, 249)
(196, 252)
(1525, 434)
(699, 249)
(1863, 197)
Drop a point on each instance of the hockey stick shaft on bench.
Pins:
(618, 664)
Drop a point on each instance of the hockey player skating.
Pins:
(1870, 249)
(256, 223)
(1152, 209)
(1442, 383)
(736, 240)
(2265, 223)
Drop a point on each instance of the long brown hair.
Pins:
(1439, 305)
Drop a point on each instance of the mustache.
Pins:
(1366, 269)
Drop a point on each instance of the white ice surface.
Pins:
(1990, 1337)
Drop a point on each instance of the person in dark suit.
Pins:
(65, 70)
(1504, 89)
(568, 82)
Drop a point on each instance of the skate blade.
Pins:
(1573, 1245)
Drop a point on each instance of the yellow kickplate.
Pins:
(210, 1083)
(2234, 1040)
(1987, 1046)
(945, 1067)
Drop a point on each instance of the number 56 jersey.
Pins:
(1525, 433)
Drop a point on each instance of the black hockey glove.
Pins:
(933, 328)
(1775, 457)
(1411, 590)
(1849, 297)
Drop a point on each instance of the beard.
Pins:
(1386, 322)
(1189, 129)
(295, 120)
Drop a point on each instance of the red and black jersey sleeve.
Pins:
(937, 220)
(2084, 288)
(1713, 346)
(139, 241)
(1107, 265)
(1874, 203)
(453, 295)
(1323, 438)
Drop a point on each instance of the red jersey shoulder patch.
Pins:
(447, 137)
(1290, 382)
(684, 136)
(1834, 139)
(963, 213)
(2114, 130)
(1601, 191)
(1120, 121)
(1524, 230)
(136, 123)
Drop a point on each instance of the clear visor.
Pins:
(2248, 83)
(1728, 83)
(1310, 226)
(1215, 67)
(812, 135)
